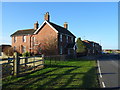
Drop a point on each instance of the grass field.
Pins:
(57, 74)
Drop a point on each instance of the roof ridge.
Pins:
(61, 27)
(58, 25)
(25, 29)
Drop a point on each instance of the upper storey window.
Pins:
(61, 37)
(24, 38)
(15, 39)
(71, 39)
(66, 38)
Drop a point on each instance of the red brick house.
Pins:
(92, 48)
(48, 34)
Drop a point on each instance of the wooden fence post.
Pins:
(43, 59)
(26, 61)
(16, 64)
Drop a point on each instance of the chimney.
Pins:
(66, 25)
(36, 25)
(47, 16)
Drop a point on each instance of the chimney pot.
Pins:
(47, 16)
(66, 25)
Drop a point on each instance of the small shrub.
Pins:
(26, 54)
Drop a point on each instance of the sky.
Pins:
(94, 21)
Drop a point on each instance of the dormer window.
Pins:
(61, 37)
(24, 38)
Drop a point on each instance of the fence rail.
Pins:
(19, 65)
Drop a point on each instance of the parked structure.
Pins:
(93, 48)
(31, 39)
(3, 47)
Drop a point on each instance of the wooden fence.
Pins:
(19, 65)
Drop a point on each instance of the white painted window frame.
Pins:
(60, 37)
(23, 49)
(61, 50)
(67, 38)
(24, 38)
(15, 39)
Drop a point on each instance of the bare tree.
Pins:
(48, 45)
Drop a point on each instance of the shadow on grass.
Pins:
(90, 79)
(29, 80)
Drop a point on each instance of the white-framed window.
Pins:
(15, 39)
(93, 45)
(24, 38)
(61, 50)
(23, 49)
(66, 38)
(14, 48)
(72, 39)
(33, 39)
(68, 51)
(61, 37)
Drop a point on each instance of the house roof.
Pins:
(23, 32)
(55, 27)
(61, 29)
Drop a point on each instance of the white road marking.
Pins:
(99, 68)
(103, 84)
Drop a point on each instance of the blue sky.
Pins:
(94, 21)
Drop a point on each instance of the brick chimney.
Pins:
(66, 25)
(36, 25)
(47, 17)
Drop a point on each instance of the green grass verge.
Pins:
(57, 74)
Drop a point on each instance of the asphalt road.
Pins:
(108, 68)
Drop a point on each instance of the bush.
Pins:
(81, 48)
(26, 54)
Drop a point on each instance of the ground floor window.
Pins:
(61, 50)
(23, 49)
(68, 51)
(14, 48)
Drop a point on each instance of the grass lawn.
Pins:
(59, 74)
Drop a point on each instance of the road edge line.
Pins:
(103, 84)
(99, 70)
(100, 74)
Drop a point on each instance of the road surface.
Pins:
(108, 71)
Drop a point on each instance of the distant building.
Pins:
(93, 48)
(3, 47)
(29, 39)
(111, 50)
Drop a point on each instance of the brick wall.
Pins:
(44, 35)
